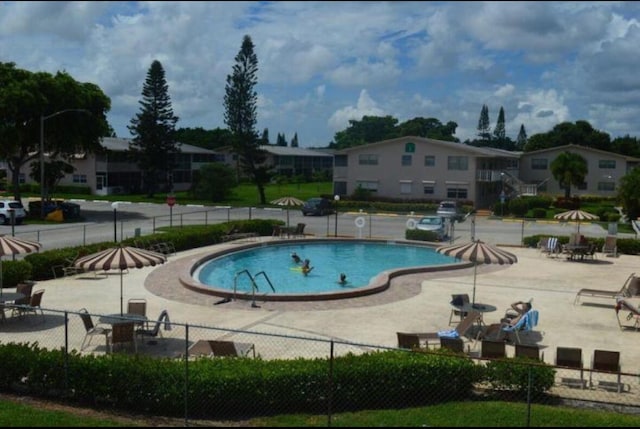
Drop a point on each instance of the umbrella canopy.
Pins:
(122, 258)
(10, 245)
(577, 215)
(288, 201)
(478, 252)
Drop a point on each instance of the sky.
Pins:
(322, 64)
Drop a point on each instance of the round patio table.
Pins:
(116, 318)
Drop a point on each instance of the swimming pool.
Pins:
(368, 264)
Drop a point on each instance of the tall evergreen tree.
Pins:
(294, 141)
(484, 129)
(281, 140)
(240, 115)
(499, 131)
(154, 144)
(522, 138)
(265, 136)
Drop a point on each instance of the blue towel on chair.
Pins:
(450, 333)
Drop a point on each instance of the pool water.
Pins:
(361, 262)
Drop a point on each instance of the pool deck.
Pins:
(413, 303)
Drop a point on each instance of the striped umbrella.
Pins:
(478, 252)
(288, 201)
(10, 245)
(577, 215)
(122, 258)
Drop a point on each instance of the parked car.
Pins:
(435, 224)
(317, 207)
(5, 212)
(451, 210)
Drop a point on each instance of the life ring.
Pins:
(360, 222)
(411, 224)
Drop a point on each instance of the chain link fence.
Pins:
(198, 348)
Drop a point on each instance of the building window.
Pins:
(21, 178)
(79, 178)
(582, 186)
(429, 161)
(458, 163)
(340, 161)
(405, 188)
(410, 148)
(457, 193)
(607, 164)
(539, 163)
(406, 160)
(541, 185)
(606, 186)
(428, 189)
(369, 185)
(368, 159)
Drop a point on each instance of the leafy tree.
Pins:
(626, 145)
(71, 116)
(569, 169)
(521, 141)
(294, 141)
(499, 131)
(54, 171)
(154, 144)
(208, 139)
(214, 182)
(430, 128)
(484, 130)
(240, 103)
(581, 133)
(629, 193)
(368, 130)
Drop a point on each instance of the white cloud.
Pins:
(365, 106)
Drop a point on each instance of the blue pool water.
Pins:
(360, 261)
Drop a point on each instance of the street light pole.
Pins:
(114, 206)
(42, 119)
(336, 198)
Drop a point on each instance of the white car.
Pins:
(5, 211)
(451, 210)
(432, 223)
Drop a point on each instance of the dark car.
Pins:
(317, 207)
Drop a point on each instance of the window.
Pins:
(406, 160)
(369, 185)
(539, 163)
(606, 186)
(405, 188)
(410, 148)
(458, 163)
(607, 163)
(428, 189)
(365, 159)
(79, 178)
(341, 161)
(429, 161)
(457, 193)
(21, 178)
(582, 186)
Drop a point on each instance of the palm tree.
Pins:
(569, 169)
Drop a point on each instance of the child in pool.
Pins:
(343, 279)
(296, 258)
(306, 268)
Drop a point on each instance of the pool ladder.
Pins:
(254, 285)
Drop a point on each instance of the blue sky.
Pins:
(324, 63)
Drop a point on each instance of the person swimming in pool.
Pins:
(306, 268)
(296, 258)
(343, 279)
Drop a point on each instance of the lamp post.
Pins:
(336, 198)
(502, 195)
(114, 206)
(42, 119)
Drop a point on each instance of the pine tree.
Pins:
(294, 141)
(240, 103)
(281, 140)
(484, 131)
(499, 131)
(154, 144)
(522, 138)
(265, 136)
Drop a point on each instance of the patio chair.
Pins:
(91, 329)
(25, 289)
(571, 357)
(33, 306)
(610, 248)
(299, 231)
(457, 301)
(155, 331)
(526, 324)
(552, 247)
(493, 349)
(137, 306)
(632, 315)
(530, 351)
(607, 361)
(407, 340)
(455, 345)
(464, 330)
(122, 334)
(629, 288)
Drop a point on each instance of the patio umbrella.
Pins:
(122, 258)
(10, 245)
(478, 252)
(577, 215)
(288, 201)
